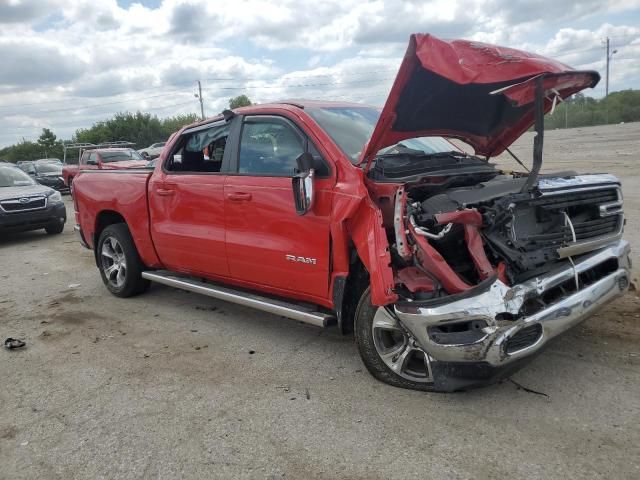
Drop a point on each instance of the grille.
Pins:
(23, 204)
(587, 212)
(574, 199)
(525, 337)
(584, 231)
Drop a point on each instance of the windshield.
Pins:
(120, 156)
(27, 167)
(49, 168)
(49, 160)
(351, 127)
(13, 177)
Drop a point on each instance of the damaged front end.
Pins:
(488, 266)
(486, 281)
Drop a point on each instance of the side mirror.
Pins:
(302, 184)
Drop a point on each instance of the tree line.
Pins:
(141, 128)
(583, 111)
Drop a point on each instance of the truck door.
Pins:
(268, 244)
(186, 202)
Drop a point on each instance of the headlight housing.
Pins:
(55, 197)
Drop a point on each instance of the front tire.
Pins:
(54, 228)
(119, 263)
(388, 350)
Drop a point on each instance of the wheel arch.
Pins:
(103, 220)
(347, 291)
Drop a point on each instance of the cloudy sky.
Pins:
(68, 63)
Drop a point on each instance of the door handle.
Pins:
(239, 196)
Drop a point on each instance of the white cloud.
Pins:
(103, 57)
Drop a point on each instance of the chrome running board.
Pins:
(277, 307)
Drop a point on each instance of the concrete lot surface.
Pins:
(174, 385)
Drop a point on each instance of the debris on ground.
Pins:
(528, 390)
(12, 343)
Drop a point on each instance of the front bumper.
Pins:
(34, 219)
(509, 329)
(80, 236)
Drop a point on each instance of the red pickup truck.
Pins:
(450, 272)
(103, 159)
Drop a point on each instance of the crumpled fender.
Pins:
(370, 240)
(357, 221)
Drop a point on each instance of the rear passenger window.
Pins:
(269, 147)
(201, 151)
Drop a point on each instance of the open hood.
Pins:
(480, 93)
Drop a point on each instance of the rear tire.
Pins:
(119, 263)
(388, 350)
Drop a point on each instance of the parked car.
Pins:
(45, 172)
(103, 159)
(450, 272)
(152, 151)
(26, 205)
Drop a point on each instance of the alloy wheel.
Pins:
(398, 349)
(114, 263)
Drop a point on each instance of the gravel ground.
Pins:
(174, 385)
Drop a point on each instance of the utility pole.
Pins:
(199, 95)
(606, 87)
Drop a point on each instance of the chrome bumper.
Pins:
(500, 301)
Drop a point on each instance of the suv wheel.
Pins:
(119, 263)
(388, 350)
(55, 227)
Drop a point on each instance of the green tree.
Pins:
(239, 101)
(173, 124)
(47, 139)
(143, 129)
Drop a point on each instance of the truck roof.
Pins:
(286, 104)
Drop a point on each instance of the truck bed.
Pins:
(104, 192)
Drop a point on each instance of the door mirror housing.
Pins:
(303, 191)
(302, 184)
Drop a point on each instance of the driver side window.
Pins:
(269, 147)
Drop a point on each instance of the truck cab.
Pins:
(109, 155)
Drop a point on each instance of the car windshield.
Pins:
(49, 160)
(120, 156)
(13, 177)
(27, 167)
(49, 168)
(351, 127)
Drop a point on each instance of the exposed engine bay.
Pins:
(452, 231)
